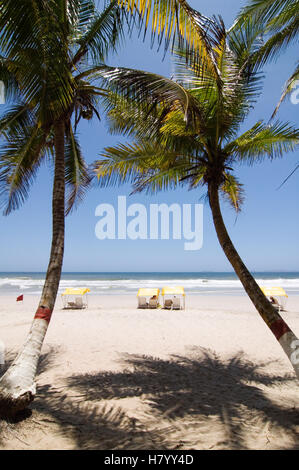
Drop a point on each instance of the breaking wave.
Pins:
(120, 283)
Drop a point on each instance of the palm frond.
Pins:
(151, 89)
(102, 35)
(19, 24)
(78, 177)
(123, 163)
(147, 166)
(232, 191)
(174, 125)
(80, 15)
(264, 10)
(278, 22)
(175, 20)
(31, 33)
(244, 41)
(262, 140)
(288, 88)
(16, 120)
(225, 102)
(277, 43)
(167, 129)
(20, 158)
(150, 166)
(289, 176)
(136, 120)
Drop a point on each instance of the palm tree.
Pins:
(278, 22)
(48, 50)
(49, 64)
(187, 131)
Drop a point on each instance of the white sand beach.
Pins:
(115, 377)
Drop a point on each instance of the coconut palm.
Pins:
(278, 22)
(50, 54)
(48, 49)
(187, 131)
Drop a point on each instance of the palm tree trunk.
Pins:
(17, 386)
(269, 314)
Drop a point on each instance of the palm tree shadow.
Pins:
(86, 425)
(191, 391)
(99, 426)
(181, 400)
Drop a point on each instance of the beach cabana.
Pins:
(173, 297)
(75, 298)
(276, 295)
(148, 297)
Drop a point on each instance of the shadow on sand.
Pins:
(179, 402)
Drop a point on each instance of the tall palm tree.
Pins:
(187, 131)
(278, 22)
(49, 64)
(48, 50)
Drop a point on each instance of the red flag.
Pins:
(20, 298)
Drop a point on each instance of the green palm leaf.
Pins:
(288, 88)
(153, 89)
(147, 166)
(77, 175)
(278, 22)
(20, 159)
(16, 120)
(272, 140)
(232, 191)
(175, 20)
(103, 33)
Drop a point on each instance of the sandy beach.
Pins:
(115, 377)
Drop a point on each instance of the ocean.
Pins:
(204, 283)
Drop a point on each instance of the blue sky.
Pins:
(265, 233)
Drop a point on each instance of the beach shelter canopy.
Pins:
(146, 292)
(276, 295)
(70, 291)
(174, 290)
(274, 291)
(75, 298)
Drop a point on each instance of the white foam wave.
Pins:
(129, 285)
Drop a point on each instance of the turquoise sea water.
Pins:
(129, 283)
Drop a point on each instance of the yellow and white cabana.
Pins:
(173, 297)
(148, 297)
(75, 298)
(276, 295)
